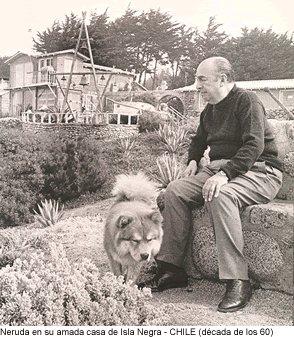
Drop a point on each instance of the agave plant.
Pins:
(50, 213)
(126, 145)
(173, 135)
(169, 169)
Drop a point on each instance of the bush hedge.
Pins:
(48, 166)
(35, 167)
(72, 168)
(21, 177)
(150, 121)
(40, 287)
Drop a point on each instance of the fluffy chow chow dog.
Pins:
(133, 230)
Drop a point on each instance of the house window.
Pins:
(288, 97)
(46, 62)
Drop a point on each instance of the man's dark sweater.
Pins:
(236, 128)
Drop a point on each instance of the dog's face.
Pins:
(139, 235)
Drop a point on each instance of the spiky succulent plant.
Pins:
(49, 212)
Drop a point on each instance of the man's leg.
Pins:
(259, 185)
(178, 198)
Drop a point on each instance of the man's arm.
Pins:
(198, 143)
(251, 116)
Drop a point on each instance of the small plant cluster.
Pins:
(40, 287)
(169, 168)
(173, 136)
(10, 122)
(49, 213)
(126, 145)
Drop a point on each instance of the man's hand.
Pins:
(190, 169)
(213, 185)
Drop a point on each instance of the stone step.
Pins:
(268, 238)
(284, 135)
(287, 190)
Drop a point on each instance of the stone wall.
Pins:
(190, 99)
(73, 131)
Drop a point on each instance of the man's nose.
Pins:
(198, 85)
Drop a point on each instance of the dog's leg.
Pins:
(133, 272)
(116, 267)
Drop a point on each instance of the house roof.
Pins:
(15, 56)
(66, 51)
(110, 69)
(60, 52)
(254, 85)
(270, 84)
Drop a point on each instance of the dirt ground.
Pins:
(81, 232)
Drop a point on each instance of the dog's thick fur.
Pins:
(133, 230)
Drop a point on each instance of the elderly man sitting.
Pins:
(244, 170)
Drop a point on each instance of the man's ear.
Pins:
(123, 221)
(223, 78)
(156, 217)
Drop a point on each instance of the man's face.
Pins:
(208, 82)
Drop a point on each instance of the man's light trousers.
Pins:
(259, 185)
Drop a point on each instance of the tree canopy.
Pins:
(151, 42)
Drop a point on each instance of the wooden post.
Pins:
(99, 106)
(65, 98)
(73, 63)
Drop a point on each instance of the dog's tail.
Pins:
(134, 187)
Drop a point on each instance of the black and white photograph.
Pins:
(146, 167)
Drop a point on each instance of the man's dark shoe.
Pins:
(165, 277)
(171, 279)
(237, 296)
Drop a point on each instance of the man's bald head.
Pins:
(214, 79)
(218, 65)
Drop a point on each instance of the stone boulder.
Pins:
(268, 238)
(284, 133)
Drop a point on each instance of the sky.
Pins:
(22, 19)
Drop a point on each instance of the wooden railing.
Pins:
(176, 114)
(41, 117)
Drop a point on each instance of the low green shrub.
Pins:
(10, 122)
(21, 178)
(146, 97)
(150, 121)
(72, 168)
(37, 167)
(40, 287)
(142, 157)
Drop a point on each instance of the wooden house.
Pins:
(282, 89)
(39, 82)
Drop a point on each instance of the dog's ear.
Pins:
(156, 217)
(124, 220)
